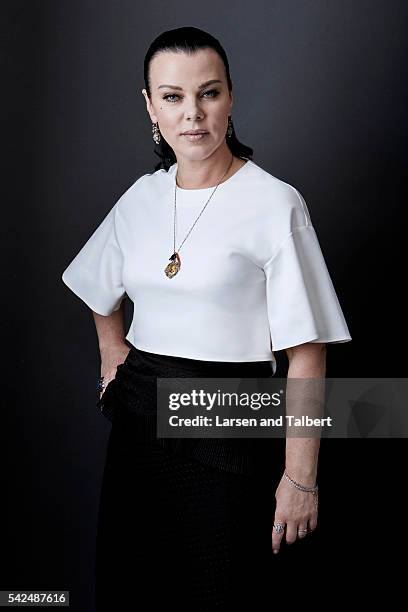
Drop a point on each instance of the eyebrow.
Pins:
(199, 87)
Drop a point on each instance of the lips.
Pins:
(194, 132)
(195, 137)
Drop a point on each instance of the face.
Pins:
(179, 101)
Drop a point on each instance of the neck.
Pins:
(205, 173)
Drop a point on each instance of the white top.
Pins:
(253, 279)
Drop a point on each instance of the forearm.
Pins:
(305, 397)
(301, 459)
(111, 329)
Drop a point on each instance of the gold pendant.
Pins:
(174, 266)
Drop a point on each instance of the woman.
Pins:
(189, 522)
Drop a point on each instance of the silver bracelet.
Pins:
(301, 487)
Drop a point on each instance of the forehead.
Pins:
(186, 70)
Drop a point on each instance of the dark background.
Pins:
(320, 94)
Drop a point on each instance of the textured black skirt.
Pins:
(184, 522)
(132, 396)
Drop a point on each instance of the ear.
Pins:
(149, 107)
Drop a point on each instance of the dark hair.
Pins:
(189, 40)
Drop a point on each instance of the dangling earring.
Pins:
(156, 133)
(230, 128)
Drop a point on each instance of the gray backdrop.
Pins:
(320, 95)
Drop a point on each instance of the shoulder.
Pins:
(145, 189)
(277, 198)
(275, 209)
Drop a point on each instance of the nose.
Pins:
(194, 111)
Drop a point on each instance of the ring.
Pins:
(278, 527)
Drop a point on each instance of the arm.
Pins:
(111, 338)
(297, 509)
(110, 329)
(305, 361)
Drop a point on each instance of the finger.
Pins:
(291, 532)
(278, 531)
(302, 530)
(104, 389)
(101, 385)
(105, 384)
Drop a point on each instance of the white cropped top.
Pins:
(253, 279)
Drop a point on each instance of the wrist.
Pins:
(112, 345)
(306, 478)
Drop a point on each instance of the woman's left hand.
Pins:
(295, 514)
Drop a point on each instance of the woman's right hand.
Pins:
(111, 357)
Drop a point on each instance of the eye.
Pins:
(213, 93)
(167, 96)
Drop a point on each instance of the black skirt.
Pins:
(182, 522)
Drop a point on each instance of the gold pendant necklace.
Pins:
(174, 266)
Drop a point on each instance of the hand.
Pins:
(295, 510)
(111, 357)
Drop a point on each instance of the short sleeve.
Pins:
(95, 274)
(301, 300)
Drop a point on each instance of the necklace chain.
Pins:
(173, 267)
(175, 209)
